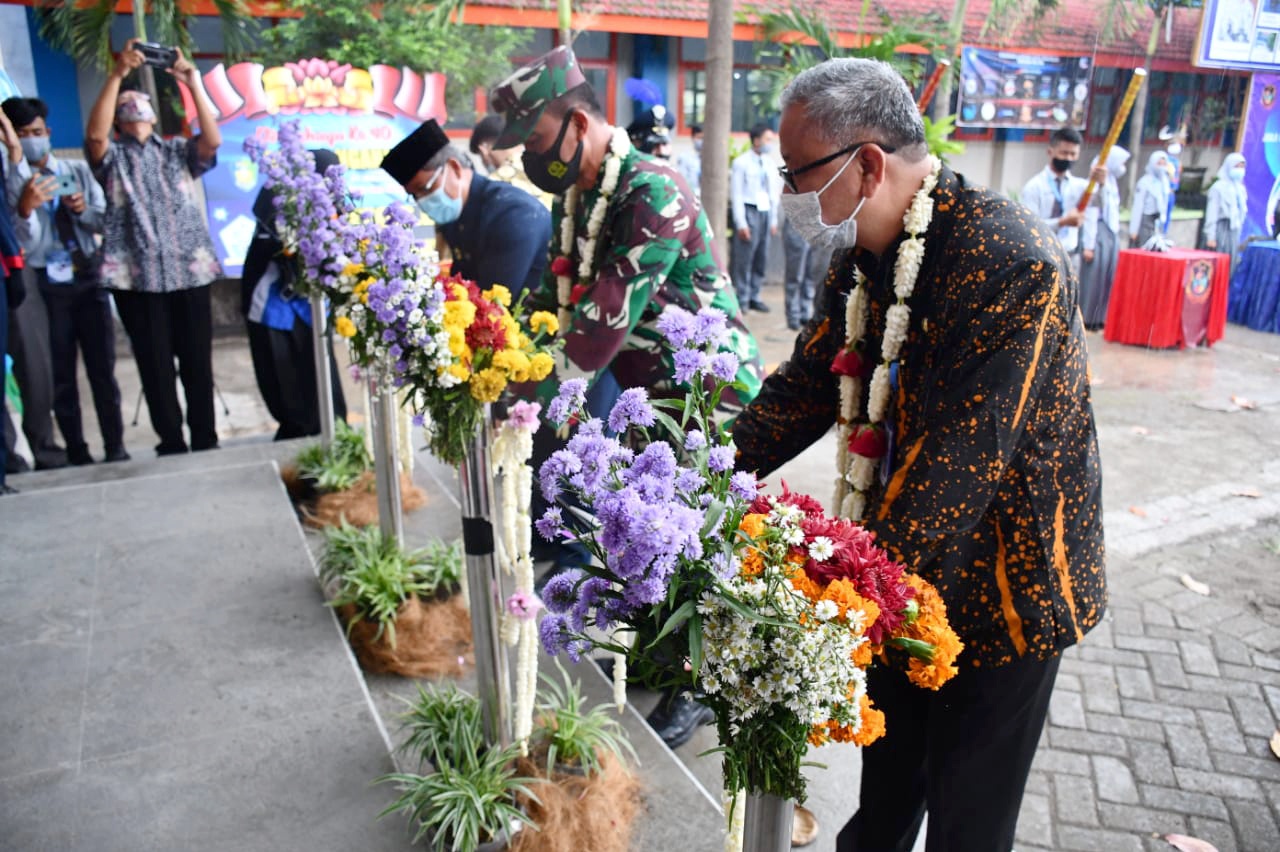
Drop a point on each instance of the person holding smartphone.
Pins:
(157, 257)
(59, 209)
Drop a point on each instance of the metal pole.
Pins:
(767, 823)
(485, 587)
(383, 395)
(324, 378)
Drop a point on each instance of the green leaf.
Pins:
(677, 618)
(695, 643)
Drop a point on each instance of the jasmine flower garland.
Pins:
(562, 265)
(860, 446)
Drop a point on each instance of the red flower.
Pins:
(561, 266)
(860, 560)
(848, 362)
(867, 440)
(576, 294)
(763, 504)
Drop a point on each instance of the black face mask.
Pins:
(1062, 167)
(547, 171)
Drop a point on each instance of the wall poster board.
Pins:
(1030, 91)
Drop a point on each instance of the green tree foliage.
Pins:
(399, 33)
(798, 39)
(83, 29)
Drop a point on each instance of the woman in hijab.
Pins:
(1224, 214)
(279, 325)
(1100, 240)
(1149, 210)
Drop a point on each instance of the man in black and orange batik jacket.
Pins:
(967, 441)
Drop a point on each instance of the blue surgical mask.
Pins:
(697, 145)
(1237, 174)
(440, 206)
(35, 148)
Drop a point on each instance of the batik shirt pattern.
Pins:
(154, 237)
(655, 251)
(992, 490)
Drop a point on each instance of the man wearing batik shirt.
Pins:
(157, 257)
(647, 246)
(981, 466)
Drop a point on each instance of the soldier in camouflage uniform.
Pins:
(653, 249)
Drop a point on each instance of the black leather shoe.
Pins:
(793, 325)
(676, 718)
(117, 454)
(759, 307)
(7, 489)
(79, 456)
(15, 464)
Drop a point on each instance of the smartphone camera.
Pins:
(157, 55)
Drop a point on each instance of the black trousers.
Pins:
(80, 321)
(161, 327)
(962, 753)
(284, 365)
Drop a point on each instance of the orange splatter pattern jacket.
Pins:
(993, 490)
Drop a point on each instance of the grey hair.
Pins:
(859, 100)
(445, 154)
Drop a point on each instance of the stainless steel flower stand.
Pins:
(767, 823)
(493, 683)
(382, 416)
(324, 378)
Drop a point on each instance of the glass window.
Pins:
(695, 96)
(590, 45)
(749, 88)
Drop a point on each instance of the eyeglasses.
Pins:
(789, 175)
(426, 187)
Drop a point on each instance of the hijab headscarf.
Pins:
(1235, 199)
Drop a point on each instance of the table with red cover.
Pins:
(1169, 298)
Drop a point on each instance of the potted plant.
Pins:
(576, 738)
(469, 801)
(400, 607)
(336, 485)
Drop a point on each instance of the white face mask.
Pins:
(804, 211)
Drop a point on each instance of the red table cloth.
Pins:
(1170, 298)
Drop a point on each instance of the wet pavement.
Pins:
(1161, 718)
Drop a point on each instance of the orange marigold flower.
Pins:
(872, 724)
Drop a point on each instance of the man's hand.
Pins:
(184, 70)
(1098, 174)
(1071, 219)
(773, 230)
(74, 202)
(1211, 245)
(1088, 255)
(39, 190)
(128, 61)
(744, 234)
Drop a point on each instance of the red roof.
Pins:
(1071, 29)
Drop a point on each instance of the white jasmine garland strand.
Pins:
(860, 471)
(735, 806)
(619, 148)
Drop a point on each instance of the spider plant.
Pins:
(463, 806)
(372, 573)
(574, 735)
(340, 467)
(443, 725)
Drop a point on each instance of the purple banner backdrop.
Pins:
(1260, 145)
(359, 114)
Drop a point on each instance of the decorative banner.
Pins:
(360, 114)
(1196, 282)
(1260, 145)
(1242, 34)
(1003, 88)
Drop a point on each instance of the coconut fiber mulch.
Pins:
(357, 504)
(432, 639)
(576, 812)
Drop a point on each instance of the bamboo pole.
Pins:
(1130, 95)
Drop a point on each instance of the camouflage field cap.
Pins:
(411, 154)
(523, 96)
